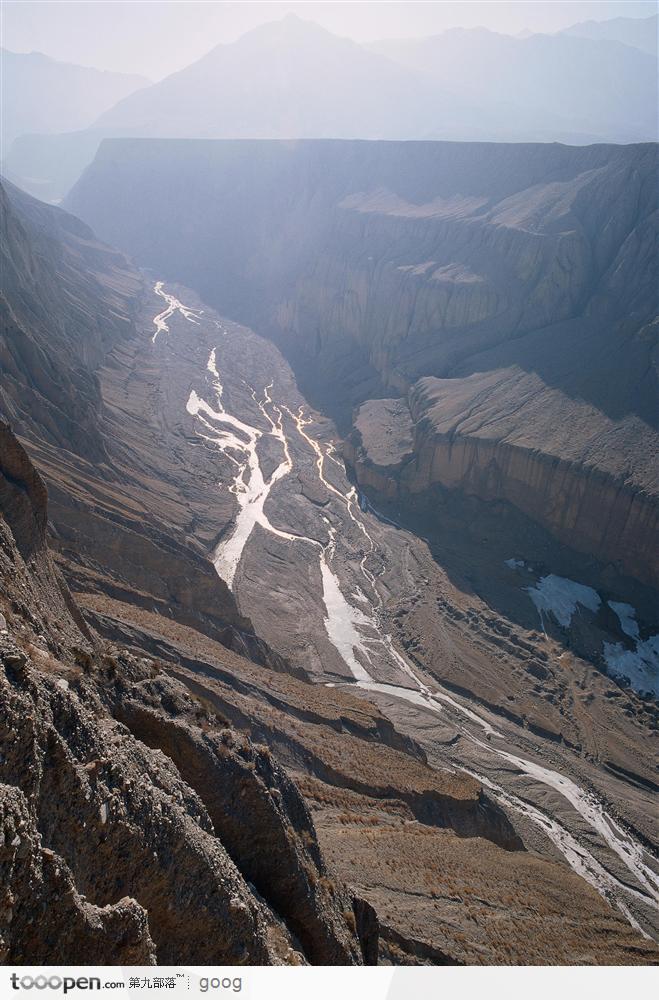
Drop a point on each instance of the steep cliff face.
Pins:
(585, 509)
(23, 495)
(26, 558)
(510, 273)
(591, 480)
(65, 300)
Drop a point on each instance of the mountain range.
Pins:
(294, 79)
(562, 83)
(45, 95)
(638, 32)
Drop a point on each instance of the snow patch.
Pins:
(640, 666)
(627, 618)
(560, 596)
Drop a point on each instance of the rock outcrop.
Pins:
(256, 810)
(487, 436)
(68, 925)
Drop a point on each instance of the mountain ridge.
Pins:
(46, 94)
(293, 79)
(638, 32)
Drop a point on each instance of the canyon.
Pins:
(343, 545)
(493, 289)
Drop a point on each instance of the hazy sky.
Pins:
(157, 38)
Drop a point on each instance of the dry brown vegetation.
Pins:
(471, 900)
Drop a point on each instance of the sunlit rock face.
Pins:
(504, 293)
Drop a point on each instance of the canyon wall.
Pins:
(69, 306)
(583, 506)
(511, 274)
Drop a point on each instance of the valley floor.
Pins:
(357, 603)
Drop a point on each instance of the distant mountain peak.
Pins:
(291, 27)
(35, 56)
(290, 32)
(43, 94)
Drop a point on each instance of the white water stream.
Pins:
(173, 305)
(357, 633)
(249, 486)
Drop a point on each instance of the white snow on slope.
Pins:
(640, 666)
(627, 618)
(559, 596)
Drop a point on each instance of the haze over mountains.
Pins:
(639, 32)
(565, 87)
(294, 79)
(41, 94)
